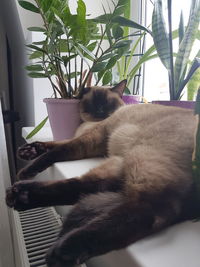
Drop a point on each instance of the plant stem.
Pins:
(75, 61)
(69, 72)
(42, 15)
(81, 75)
(171, 70)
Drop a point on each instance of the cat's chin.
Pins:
(88, 118)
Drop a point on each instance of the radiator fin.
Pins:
(40, 228)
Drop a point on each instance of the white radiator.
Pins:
(35, 231)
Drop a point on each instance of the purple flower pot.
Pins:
(176, 103)
(64, 117)
(131, 99)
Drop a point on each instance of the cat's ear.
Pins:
(84, 91)
(119, 88)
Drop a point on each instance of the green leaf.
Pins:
(122, 51)
(79, 52)
(160, 35)
(117, 31)
(122, 2)
(40, 43)
(46, 5)
(29, 6)
(122, 43)
(100, 74)
(66, 59)
(111, 63)
(106, 56)
(36, 29)
(104, 19)
(129, 23)
(87, 51)
(62, 44)
(187, 43)
(194, 67)
(80, 27)
(118, 11)
(37, 48)
(92, 46)
(98, 67)
(181, 28)
(193, 85)
(34, 67)
(37, 128)
(107, 78)
(36, 54)
(37, 75)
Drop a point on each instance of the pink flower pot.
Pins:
(176, 103)
(131, 99)
(64, 117)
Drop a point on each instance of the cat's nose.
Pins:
(100, 110)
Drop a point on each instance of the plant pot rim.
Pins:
(61, 100)
(173, 101)
(131, 95)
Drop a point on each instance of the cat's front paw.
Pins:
(31, 151)
(18, 196)
(26, 173)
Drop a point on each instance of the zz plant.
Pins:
(73, 46)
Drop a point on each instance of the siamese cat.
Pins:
(144, 185)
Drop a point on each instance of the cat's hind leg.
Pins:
(98, 224)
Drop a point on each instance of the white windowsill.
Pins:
(177, 246)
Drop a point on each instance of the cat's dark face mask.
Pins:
(99, 103)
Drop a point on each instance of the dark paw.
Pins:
(31, 151)
(60, 256)
(18, 196)
(25, 173)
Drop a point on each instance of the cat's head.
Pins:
(98, 103)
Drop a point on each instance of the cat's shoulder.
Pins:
(152, 108)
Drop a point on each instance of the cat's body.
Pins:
(144, 185)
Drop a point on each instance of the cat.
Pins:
(144, 185)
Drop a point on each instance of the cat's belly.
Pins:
(123, 138)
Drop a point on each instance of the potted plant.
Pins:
(178, 71)
(71, 50)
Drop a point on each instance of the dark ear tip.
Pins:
(124, 81)
(120, 87)
(85, 90)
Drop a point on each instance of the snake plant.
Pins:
(178, 73)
